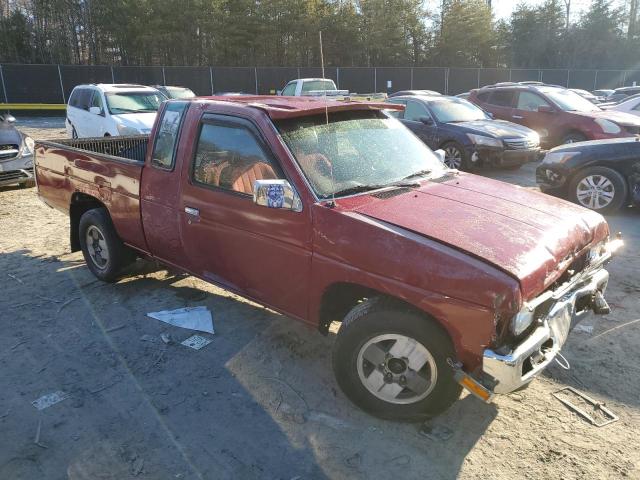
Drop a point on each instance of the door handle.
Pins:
(194, 212)
(519, 117)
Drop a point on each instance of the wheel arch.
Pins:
(80, 203)
(340, 297)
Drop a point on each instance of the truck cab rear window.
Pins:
(164, 149)
(230, 157)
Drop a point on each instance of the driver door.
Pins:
(263, 253)
(417, 118)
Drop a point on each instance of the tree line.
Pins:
(461, 33)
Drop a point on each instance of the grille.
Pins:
(12, 175)
(520, 144)
(9, 151)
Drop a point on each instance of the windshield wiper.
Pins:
(367, 188)
(419, 173)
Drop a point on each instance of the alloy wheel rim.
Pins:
(397, 369)
(452, 157)
(595, 192)
(97, 247)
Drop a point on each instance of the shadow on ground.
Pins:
(258, 402)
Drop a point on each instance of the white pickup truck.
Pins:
(312, 87)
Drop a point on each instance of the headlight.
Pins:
(608, 126)
(534, 137)
(521, 320)
(484, 141)
(127, 130)
(28, 146)
(559, 157)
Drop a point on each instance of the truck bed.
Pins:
(104, 170)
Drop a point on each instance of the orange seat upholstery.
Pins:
(256, 171)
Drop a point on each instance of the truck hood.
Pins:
(529, 235)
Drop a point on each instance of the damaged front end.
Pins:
(548, 320)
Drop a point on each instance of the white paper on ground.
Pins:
(196, 342)
(193, 318)
(49, 399)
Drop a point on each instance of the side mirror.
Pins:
(276, 194)
(95, 110)
(545, 109)
(426, 120)
(440, 155)
(9, 118)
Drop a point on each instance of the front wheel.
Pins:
(103, 251)
(599, 188)
(455, 156)
(392, 362)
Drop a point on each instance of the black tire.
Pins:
(118, 255)
(449, 149)
(573, 137)
(376, 317)
(610, 182)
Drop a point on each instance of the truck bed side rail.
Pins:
(131, 148)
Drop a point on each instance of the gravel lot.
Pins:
(260, 401)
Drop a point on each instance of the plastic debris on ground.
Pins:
(584, 328)
(196, 342)
(49, 399)
(192, 318)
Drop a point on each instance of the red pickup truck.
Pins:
(332, 211)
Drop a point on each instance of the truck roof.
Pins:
(279, 108)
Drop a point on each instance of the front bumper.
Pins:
(17, 170)
(512, 370)
(499, 157)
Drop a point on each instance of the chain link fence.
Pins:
(52, 84)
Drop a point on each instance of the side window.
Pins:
(484, 96)
(96, 100)
(397, 113)
(164, 148)
(415, 111)
(501, 98)
(85, 98)
(530, 102)
(73, 99)
(290, 89)
(229, 156)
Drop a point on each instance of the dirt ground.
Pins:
(260, 400)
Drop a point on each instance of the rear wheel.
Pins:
(103, 251)
(599, 188)
(392, 362)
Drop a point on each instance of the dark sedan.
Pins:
(468, 136)
(602, 175)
